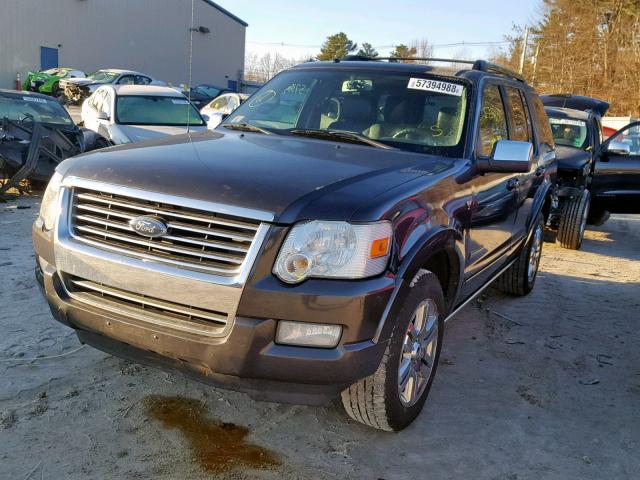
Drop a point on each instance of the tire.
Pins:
(520, 278)
(573, 221)
(376, 400)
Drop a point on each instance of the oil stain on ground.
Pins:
(218, 447)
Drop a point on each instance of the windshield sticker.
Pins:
(436, 86)
(180, 102)
(34, 99)
(566, 121)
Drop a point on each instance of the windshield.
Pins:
(33, 109)
(569, 132)
(410, 111)
(102, 76)
(208, 90)
(155, 110)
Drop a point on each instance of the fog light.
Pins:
(308, 334)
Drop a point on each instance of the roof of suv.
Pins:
(464, 71)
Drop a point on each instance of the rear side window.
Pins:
(520, 121)
(493, 121)
(543, 122)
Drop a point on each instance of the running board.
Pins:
(480, 290)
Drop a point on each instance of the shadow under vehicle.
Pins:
(595, 177)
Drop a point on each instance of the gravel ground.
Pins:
(542, 387)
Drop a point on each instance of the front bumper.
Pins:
(245, 358)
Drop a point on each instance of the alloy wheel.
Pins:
(418, 353)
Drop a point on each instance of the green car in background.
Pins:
(47, 81)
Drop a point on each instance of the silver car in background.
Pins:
(132, 113)
(76, 90)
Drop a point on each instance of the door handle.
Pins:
(513, 183)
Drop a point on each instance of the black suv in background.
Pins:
(595, 177)
(315, 243)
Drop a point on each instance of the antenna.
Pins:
(193, 2)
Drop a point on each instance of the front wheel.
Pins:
(573, 221)
(519, 279)
(394, 395)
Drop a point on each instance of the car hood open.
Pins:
(277, 174)
(577, 102)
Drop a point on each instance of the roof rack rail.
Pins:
(480, 65)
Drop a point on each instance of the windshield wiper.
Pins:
(340, 135)
(246, 127)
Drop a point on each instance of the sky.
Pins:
(296, 29)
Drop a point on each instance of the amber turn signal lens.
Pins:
(380, 247)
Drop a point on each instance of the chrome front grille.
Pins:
(199, 240)
(159, 312)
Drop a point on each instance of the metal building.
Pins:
(150, 36)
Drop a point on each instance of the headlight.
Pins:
(50, 207)
(334, 250)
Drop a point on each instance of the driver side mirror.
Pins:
(508, 156)
(103, 116)
(616, 147)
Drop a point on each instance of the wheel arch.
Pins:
(439, 252)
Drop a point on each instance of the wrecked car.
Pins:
(595, 177)
(36, 134)
(76, 90)
(48, 81)
(313, 245)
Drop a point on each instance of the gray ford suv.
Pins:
(314, 244)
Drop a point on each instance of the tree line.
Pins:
(584, 47)
(337, 46)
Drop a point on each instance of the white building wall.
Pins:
(150, 36)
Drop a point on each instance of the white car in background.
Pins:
(222, 106)
(77, 90)
(132, 113)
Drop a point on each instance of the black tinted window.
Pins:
(493, 121)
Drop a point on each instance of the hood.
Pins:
(279, 174)
(139, 133)
(570, 158)
(81, 81)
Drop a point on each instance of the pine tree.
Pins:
(336, 46)
(402, 51)
(367, 50)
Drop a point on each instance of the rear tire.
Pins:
(392, 398)
(573, 221)
(520, 278)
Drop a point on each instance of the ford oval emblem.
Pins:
(148, 226)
